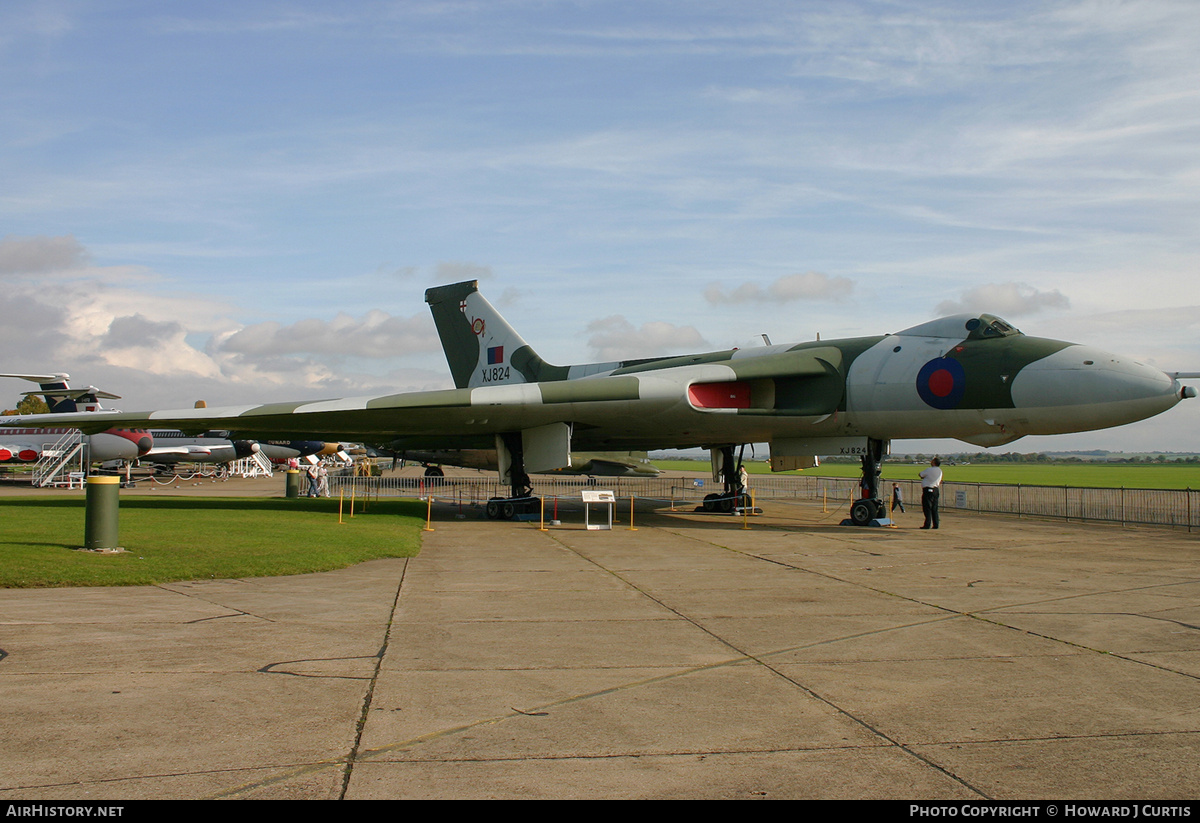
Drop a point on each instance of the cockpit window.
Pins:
(988, 325)
(959, 326)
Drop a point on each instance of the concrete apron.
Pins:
(995, 658)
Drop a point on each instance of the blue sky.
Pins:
(246, 201)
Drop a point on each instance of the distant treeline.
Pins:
(1159, 458)
(1098, 456)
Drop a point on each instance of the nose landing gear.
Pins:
(870, 510)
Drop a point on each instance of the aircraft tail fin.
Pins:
(480, 346)
(59, 395)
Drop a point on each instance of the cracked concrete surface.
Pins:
(996, 658)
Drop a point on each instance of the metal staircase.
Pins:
(256, 465)
(60, 459)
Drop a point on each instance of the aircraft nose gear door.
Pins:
(869, 509)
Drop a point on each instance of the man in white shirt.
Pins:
(931, 485)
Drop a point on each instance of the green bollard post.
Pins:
(293, 483)
(100, 519)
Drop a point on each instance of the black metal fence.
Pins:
(1152, 507)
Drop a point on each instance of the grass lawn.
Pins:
(189, 538)
(1078, 475)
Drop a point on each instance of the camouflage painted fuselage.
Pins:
(974, 378)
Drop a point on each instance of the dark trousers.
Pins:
(929, 505)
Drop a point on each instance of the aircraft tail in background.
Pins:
(60, 397)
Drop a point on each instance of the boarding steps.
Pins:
(59, 460)
(256, 465)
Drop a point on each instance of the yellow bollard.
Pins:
(341, 497)
(352, 502)
(429, 513)
(745, 514)
(542, 526)
(631, 528)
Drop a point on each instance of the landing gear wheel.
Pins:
(863, 512)
(711, 501)
(434, 471)
(725, 505)
(493, 509)
(508, 509)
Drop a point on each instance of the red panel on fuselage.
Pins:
(719, 395)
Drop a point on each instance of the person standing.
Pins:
(314, 480)
(897, 498)
(931, 490)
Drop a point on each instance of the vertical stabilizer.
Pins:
(481, 348)
(53, 388)
(60, 397)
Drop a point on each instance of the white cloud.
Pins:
(136, 330)
(510, 297)
(615, 338)
(1005, 299)
(40, 255)
(131, 331)
(807, 286)
(376, 334)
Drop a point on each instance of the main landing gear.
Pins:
(521, 505)
(733, 497)
(870, 509)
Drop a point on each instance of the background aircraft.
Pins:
(172, 446)
(167, 446)
(971, 377)
(279, 451)
(29, 443)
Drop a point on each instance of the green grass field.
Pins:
(189, 538)
(1102, 475)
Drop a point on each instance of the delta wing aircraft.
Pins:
(971, 377)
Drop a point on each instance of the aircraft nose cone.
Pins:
(144, 444)
(245, 448)
(1103, 388)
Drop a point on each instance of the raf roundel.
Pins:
(941, 383)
